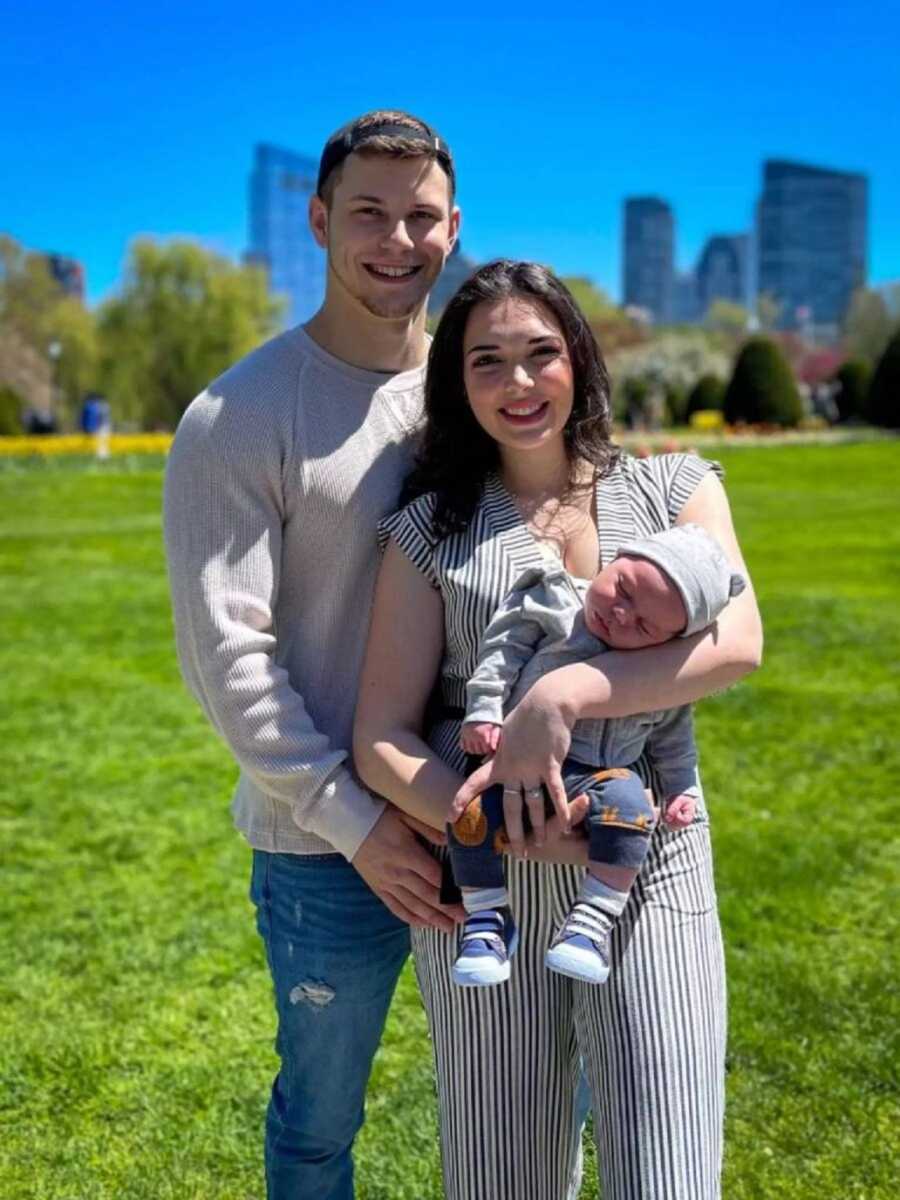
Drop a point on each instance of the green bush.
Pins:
(853, 378)
(707, 393)
(883, 406)
(632, 401)
(11, 408)
(676, 404)
(762, 388)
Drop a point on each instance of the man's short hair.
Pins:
(387, 132)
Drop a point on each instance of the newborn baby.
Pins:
(671, 584)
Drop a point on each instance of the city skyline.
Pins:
(276, 215)
(145, 126)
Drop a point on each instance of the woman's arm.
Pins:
(618, 684)
(537, 733)
(406, 641)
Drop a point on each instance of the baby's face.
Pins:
(632, 603)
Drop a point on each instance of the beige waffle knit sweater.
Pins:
(278, 476)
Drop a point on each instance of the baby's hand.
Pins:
(479, 737)
(679, 811)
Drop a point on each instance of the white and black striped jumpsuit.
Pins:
(653, 1037)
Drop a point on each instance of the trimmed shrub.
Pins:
(11, 409)
(676, 404)
(852, 378)
(883, 405)
(762, 390)
(708, 393)
(633, 396)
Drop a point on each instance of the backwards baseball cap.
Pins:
(357, 132)
(696, 564)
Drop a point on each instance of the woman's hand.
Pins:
(535, 741)
(558, 845)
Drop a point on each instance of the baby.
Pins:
(671, 584)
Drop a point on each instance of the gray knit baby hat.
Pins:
(696, 564)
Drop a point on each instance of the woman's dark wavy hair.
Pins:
(456, 454)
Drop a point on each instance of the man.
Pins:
(279, 473)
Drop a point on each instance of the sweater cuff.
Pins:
(485, 708)
(344, 813)
(679, 783)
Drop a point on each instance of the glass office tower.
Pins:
(281, 184)
(649, 256)
(811, 241)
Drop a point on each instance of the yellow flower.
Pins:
(86, 445)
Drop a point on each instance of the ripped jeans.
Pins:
(335, 953)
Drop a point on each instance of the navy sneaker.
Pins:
(487, 941)
(581, 947)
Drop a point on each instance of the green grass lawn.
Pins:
(134, 1003)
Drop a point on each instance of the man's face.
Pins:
(388, 230)
(632, 604)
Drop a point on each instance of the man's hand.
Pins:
(535, 741)
(403, 874)
(479, 737)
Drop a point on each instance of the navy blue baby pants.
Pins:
(619, 823)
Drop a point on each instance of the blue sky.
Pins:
(117, 120)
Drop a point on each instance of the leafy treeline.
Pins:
(181, 317)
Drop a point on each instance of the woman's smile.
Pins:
(531, 412)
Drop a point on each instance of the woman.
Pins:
(516, 464)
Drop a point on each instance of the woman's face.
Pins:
(517, 372)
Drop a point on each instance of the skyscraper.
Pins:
(648, 256)
(685, 304)
(281, 184)
(722, 271)
(457, 270)
(811, 241)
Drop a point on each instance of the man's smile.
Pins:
(386, 271)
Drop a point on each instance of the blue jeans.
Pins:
(335, 953)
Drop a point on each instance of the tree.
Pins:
(852, 379)
(707, 393)
(883, 406)
(36, 312)
(762, 389)
(668, 365)
(592, 300)
(868, 325)
(727, 316)
(184, 314)
(12, 407)
(768, 310)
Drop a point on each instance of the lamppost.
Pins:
(54, 350)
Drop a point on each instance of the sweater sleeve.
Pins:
(223, 515)
(528, 613)
(672, 751)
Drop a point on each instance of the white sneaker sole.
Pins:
(576, 964)
(478, 973)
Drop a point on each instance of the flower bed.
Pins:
(84, 445)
